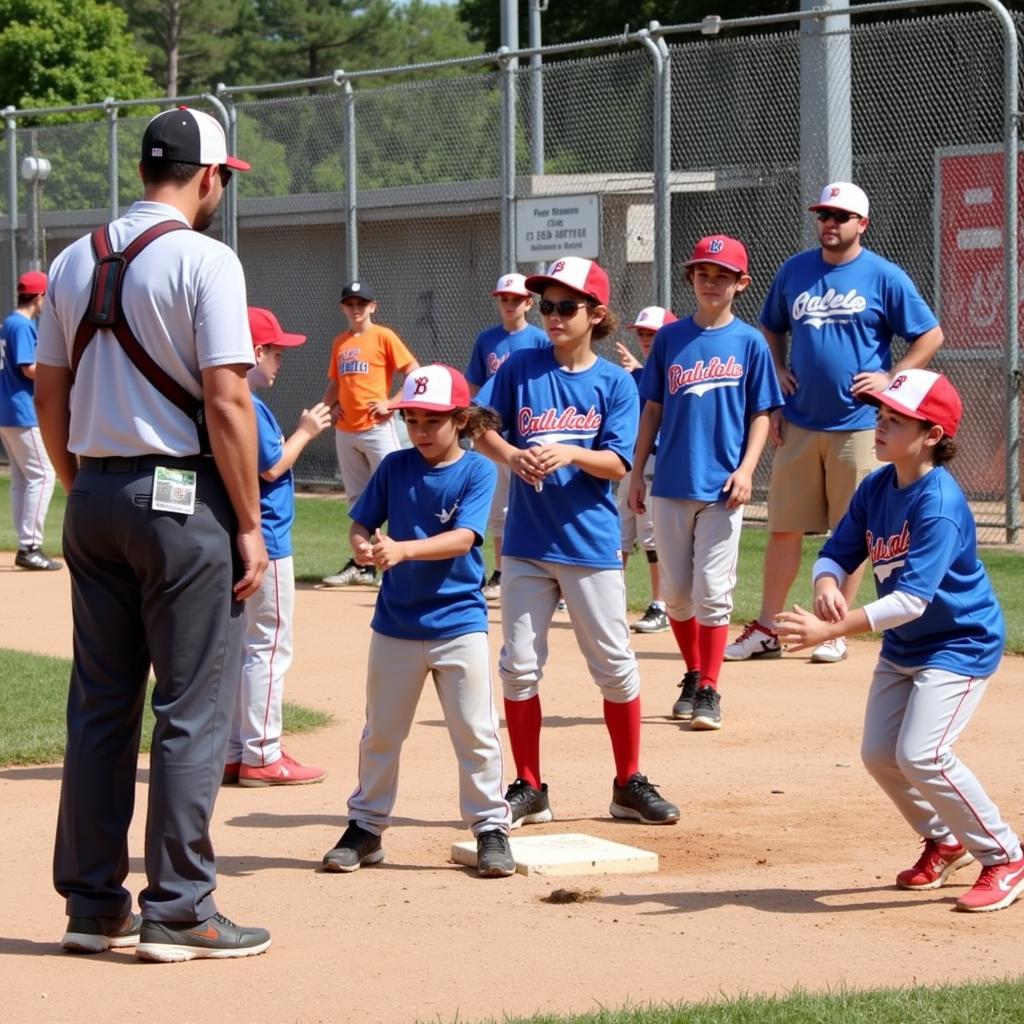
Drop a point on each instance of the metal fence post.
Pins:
(661, 159)
(110, 106)
(11, 138)
(508, 159)
(228, 117)
(350, 162)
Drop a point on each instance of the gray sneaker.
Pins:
(36, 558)
(350, 575)
(98, 934)
(356, 847)
(216, 938)
(707, 709)
(654, 620)
(530, 806)
(494, 855)
(683, 708)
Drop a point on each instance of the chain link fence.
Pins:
(422, 212)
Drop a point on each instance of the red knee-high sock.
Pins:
(685, 632)
(523, 719)
(711, 640)
(623, 721)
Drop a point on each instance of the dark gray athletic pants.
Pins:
(148, 588)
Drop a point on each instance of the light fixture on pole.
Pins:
(34, 170)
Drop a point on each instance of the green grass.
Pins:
(320, 540)
(32, 702)
(998, 1003)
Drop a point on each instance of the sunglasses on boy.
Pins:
(839, 216)
(564, 307)
(225, 175)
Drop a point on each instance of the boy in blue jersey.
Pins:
(32, 475)
(430, 618)
(570, 418)
(838, 306)
(492, 347)
(942, 638)
(255, 757)
(708, 386)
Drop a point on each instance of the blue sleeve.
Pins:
(848, 546)
(268, 439)
(775, 313)
(934, 544)
(763, 391)
(497, 393)
(476, 371)
(618, 430)
(652, 380)
(371, 510)
(906, 312)
(22, 339)
(475, 506)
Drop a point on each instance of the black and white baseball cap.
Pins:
(188, 136)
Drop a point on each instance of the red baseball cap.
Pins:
(436, 388)
(925, 396)
(267, 331)
(32, 282)
(721, 250)
(584, 276)
(652, 318)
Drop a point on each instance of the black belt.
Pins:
(143, 463)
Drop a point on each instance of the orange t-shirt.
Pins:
(363, 366)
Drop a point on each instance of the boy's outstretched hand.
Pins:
(316, 420)
(800, 628)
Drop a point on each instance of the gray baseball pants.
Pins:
(913, 718)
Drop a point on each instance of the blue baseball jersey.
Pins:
(421, 600)
(841, 321)
(573, 520)
(710, 382)
(277, 497)
(494, 345)
(17, 349)
(921, 540)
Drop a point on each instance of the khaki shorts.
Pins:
(814, 475)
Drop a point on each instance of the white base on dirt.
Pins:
(569, 854)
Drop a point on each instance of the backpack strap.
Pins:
(106, 312)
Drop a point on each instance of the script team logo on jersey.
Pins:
(888, 554)
(832, 307)
(551, 426)
(704, 377)
(494, 361)
(349, 362)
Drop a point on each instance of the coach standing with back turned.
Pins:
(162, 541)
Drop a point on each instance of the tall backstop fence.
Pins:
(430, 181)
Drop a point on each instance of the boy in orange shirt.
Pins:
(364, 360)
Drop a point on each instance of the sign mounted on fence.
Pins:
(549, 227)
(969, 248)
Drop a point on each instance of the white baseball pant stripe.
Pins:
(360, 454)
(596, 601)
(913, 718)
(461, 669)
(32, 481)
(698, 546)
(267, 656)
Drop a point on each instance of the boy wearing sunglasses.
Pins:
(830, 317)
(570, 419)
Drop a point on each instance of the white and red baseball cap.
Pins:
(584, 276)
(511, 284)
(266, 330)
(721, 250)
(32, 282)
(436, 388)
(652, 318)
(188, 136)
(923, 395)
(843, 195)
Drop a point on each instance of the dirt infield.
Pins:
(780, 873)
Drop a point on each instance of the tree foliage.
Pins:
(65, 52)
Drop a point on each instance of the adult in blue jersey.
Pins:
(839, 307)
(32, 475)
(492, 347)
(569, 421)
(942, 638)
